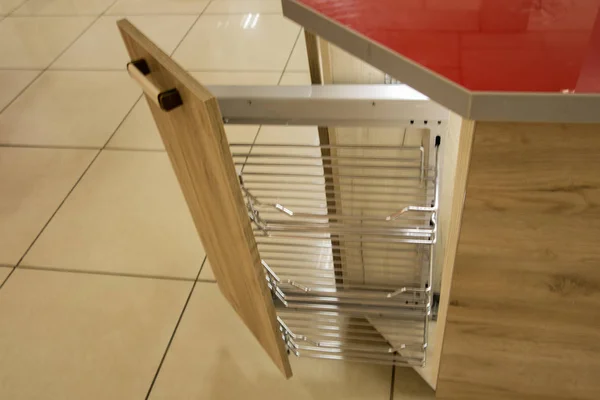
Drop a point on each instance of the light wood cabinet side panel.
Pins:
(524, 315)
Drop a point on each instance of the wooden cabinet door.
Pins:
(191, 127)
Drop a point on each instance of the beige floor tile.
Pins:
(69, 108)
(101, 47)
(7, 6)
(127, 215)
(80, 336)
(33, 183)
(295, 78)
(138, 131)
(244, 6)
(142, 7)
(63, 7)
(34, 42)
(4, 271)
(207, 272)
(12, 82)
(236, 42)
(408, 385)
(213, 356)
(299, 59)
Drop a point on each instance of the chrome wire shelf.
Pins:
(341, 337)
(346, 235)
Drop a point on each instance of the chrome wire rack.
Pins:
(346, 235)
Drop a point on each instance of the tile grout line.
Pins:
(190, 70)
(190, 28)
(48, 146)
(290, 56)
(35, 78)
(278, 83)
(18, 264)
(174, 331)
(50, 15)
(203, 262)
(80, 35)
(41, 72)
(57, 209)
(84, 171)
(251, 147)
(142, 95)
(18, 68)
(186, 14)
(124, 15)
(134, 149)
(99, 150)
(122, 122)
(7, 276)
(50, 219)
(21, 4)
(393, 382)
(106, 273)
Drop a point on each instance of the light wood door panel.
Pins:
(195, 140)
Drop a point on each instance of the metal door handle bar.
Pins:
(167, 100)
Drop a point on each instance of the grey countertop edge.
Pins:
(478, 106)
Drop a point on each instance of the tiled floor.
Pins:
(105, 291)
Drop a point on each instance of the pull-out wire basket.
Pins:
(346, 236)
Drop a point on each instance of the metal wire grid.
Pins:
(346, 245)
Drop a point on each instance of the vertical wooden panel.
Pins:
(456, 149)
(195, 140)
(524, 315)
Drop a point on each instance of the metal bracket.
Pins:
(253, 213)
(329, 105)
(406, 290)
(291, 337)
(273, 284)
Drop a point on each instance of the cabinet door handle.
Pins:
(167, 100)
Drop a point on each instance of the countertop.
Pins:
(492, 60)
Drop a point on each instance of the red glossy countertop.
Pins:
(521, 60)
(485, 45)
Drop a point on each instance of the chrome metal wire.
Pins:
(346, 241)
